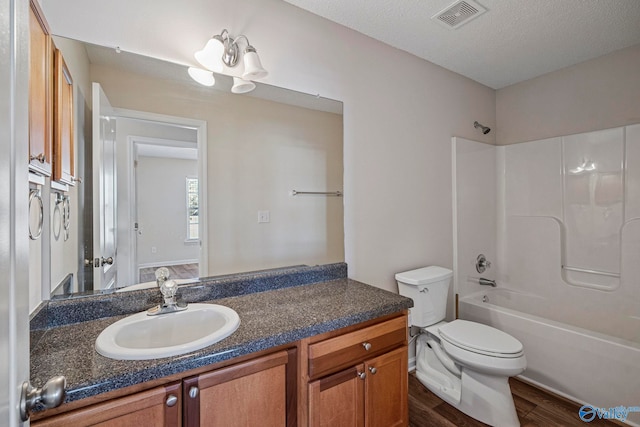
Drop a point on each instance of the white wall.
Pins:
(162, 211)
(475, 198)
(597, 94)
(400, 112)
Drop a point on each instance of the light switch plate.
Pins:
(263, 216)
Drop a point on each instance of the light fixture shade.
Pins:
(252, 67)
(210, 56)
(204, 77)
(242, 86)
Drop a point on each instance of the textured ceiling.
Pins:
(514, 41)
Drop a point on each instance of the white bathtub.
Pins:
(582, 365)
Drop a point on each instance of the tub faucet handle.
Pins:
(482, 263)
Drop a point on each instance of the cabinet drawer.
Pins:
(346, 350)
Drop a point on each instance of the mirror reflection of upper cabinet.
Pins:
(63, 156)
(40, 93)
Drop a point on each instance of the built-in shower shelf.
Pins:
(584, 270)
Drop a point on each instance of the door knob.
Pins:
(107, 261)
(49, 395)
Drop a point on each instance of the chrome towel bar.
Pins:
(325, 193)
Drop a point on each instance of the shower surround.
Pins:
(560, 219)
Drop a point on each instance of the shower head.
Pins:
(485, 130)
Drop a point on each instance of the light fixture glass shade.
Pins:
(210, 56)
(242, 86)
(252, 67)
(204, 77)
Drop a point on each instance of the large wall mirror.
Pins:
(202, 180)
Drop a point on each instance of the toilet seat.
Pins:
(480, 339)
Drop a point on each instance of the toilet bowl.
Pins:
(467, 364)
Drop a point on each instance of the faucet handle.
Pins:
(482, 263)
(169, 289)
(163, 273)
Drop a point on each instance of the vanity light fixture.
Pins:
(204, 77)
(242, 86)
(221, 50)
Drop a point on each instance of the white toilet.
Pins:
(467, 364)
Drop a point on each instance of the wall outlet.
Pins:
(263, 216)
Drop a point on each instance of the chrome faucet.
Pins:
(487, 282)
(168, 288)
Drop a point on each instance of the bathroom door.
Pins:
(14, 196)
(104, 192)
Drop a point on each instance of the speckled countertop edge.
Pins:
(268, 319)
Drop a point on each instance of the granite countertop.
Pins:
(269, 318)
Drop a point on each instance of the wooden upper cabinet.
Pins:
(63, 138)
(40, 92)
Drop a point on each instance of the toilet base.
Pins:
(486, 398)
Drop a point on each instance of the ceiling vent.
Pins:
(458, 14)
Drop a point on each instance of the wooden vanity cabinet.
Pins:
(160, 406)
(257, 392)
(260, 392)
(360, 378)
(356, 376)
(40, 92)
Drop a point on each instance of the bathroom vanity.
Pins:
(332, 351)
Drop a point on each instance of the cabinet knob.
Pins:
(193, 392)
(366, 345)
(172, 399)
(373, 370)
(362, 375)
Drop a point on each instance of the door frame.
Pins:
(14, 196)
(132, 175)
(200, 127)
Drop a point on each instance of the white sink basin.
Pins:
(140, 337)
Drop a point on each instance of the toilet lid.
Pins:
(480, 338)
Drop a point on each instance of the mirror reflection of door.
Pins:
(165, 207)
(104, 259)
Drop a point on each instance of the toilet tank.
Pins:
(428, 287)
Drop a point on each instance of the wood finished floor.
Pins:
(535, 407)
(183, 271)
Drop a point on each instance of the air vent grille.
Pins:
(458, 14)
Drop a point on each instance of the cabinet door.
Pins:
(159, 406)
(40, 92)
(338, 400)
(63, 136)
(386, 390)
(252, 393)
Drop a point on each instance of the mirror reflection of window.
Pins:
(192, 208)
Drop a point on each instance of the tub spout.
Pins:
(487, 282)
